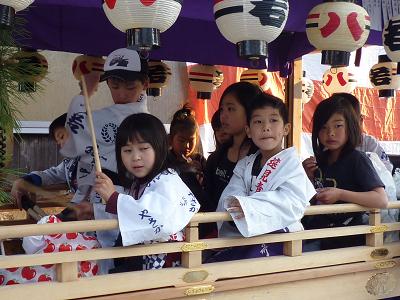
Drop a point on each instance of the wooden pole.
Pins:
(91, 128)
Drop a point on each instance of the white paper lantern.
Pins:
(339, 80)
(251, 24)
(37, 71)
(204, 79)
(142, 20)
(337, 28)
(391, 38)
(307, 89)
(257, 77)
(384, 77)
(85, 64)
(8, 8)
(159, 76)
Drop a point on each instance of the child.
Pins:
(341, 173)
(157, 205)
(126, 76)
(220, 136)
(184, 156)
(65, 172)
(269, 190)
(234, 104)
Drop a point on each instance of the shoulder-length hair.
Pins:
(144, 128)
(325, 109)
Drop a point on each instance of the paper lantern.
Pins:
(339, 80)
(391, 39)
(6, 148)
(384, 76)
(142, 20)
(251, 25)
(337, 28)
(204, 79)
(257, 77)
(159, 76)
(307, 89)
(8, 8)
(85, 64)
(37, 70)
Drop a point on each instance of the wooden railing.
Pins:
(238, 277)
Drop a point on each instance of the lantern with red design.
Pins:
(384, 76)
(307, 89)
(86, 64)
(204, 79)
(391, 38)
(35, 69)
(142, 20)
(337, 27)
(159, 75)
(8, 8)
(339, 80)
(251, 25)
(257, 77)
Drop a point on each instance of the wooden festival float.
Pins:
(370, 271)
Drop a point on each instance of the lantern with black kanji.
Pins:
(8, 8)
(142, 20)
(337, 28)
(391, 38)
(34, 70)
(257, 77)
(384, 76)
(339, 80)
(205, 79)
(86, 64)
(251, 25)
(159, 75)
(307, 89)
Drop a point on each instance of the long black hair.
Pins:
(325, 109)
(147, 128)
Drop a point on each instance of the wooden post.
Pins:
(293, 103)
(293, 248)
(67, 271)
(375, 239)
(192, 259)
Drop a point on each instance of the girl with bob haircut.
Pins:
(149, 210)
(340, 173)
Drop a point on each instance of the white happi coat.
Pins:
(276, 200)
(164, 209)
(106, 122)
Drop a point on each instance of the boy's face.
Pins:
(124, 92)
(61, 136)
(267, 129)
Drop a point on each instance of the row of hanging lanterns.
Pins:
(204, 79)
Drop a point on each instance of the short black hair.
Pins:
(57, 123)
(267, 100)
(324, 111)
(147, 128)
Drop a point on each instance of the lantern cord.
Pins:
(91, 128)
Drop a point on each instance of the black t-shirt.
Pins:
(353, 171)
(219, 170)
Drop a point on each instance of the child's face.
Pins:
(124, 92)
(333, 135)
(221, 136)
(233, 115)
(138, 158)
(267, 129)
(61, 136)
(183, 143)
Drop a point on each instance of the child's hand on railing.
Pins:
(235, 207)
(328, 195)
